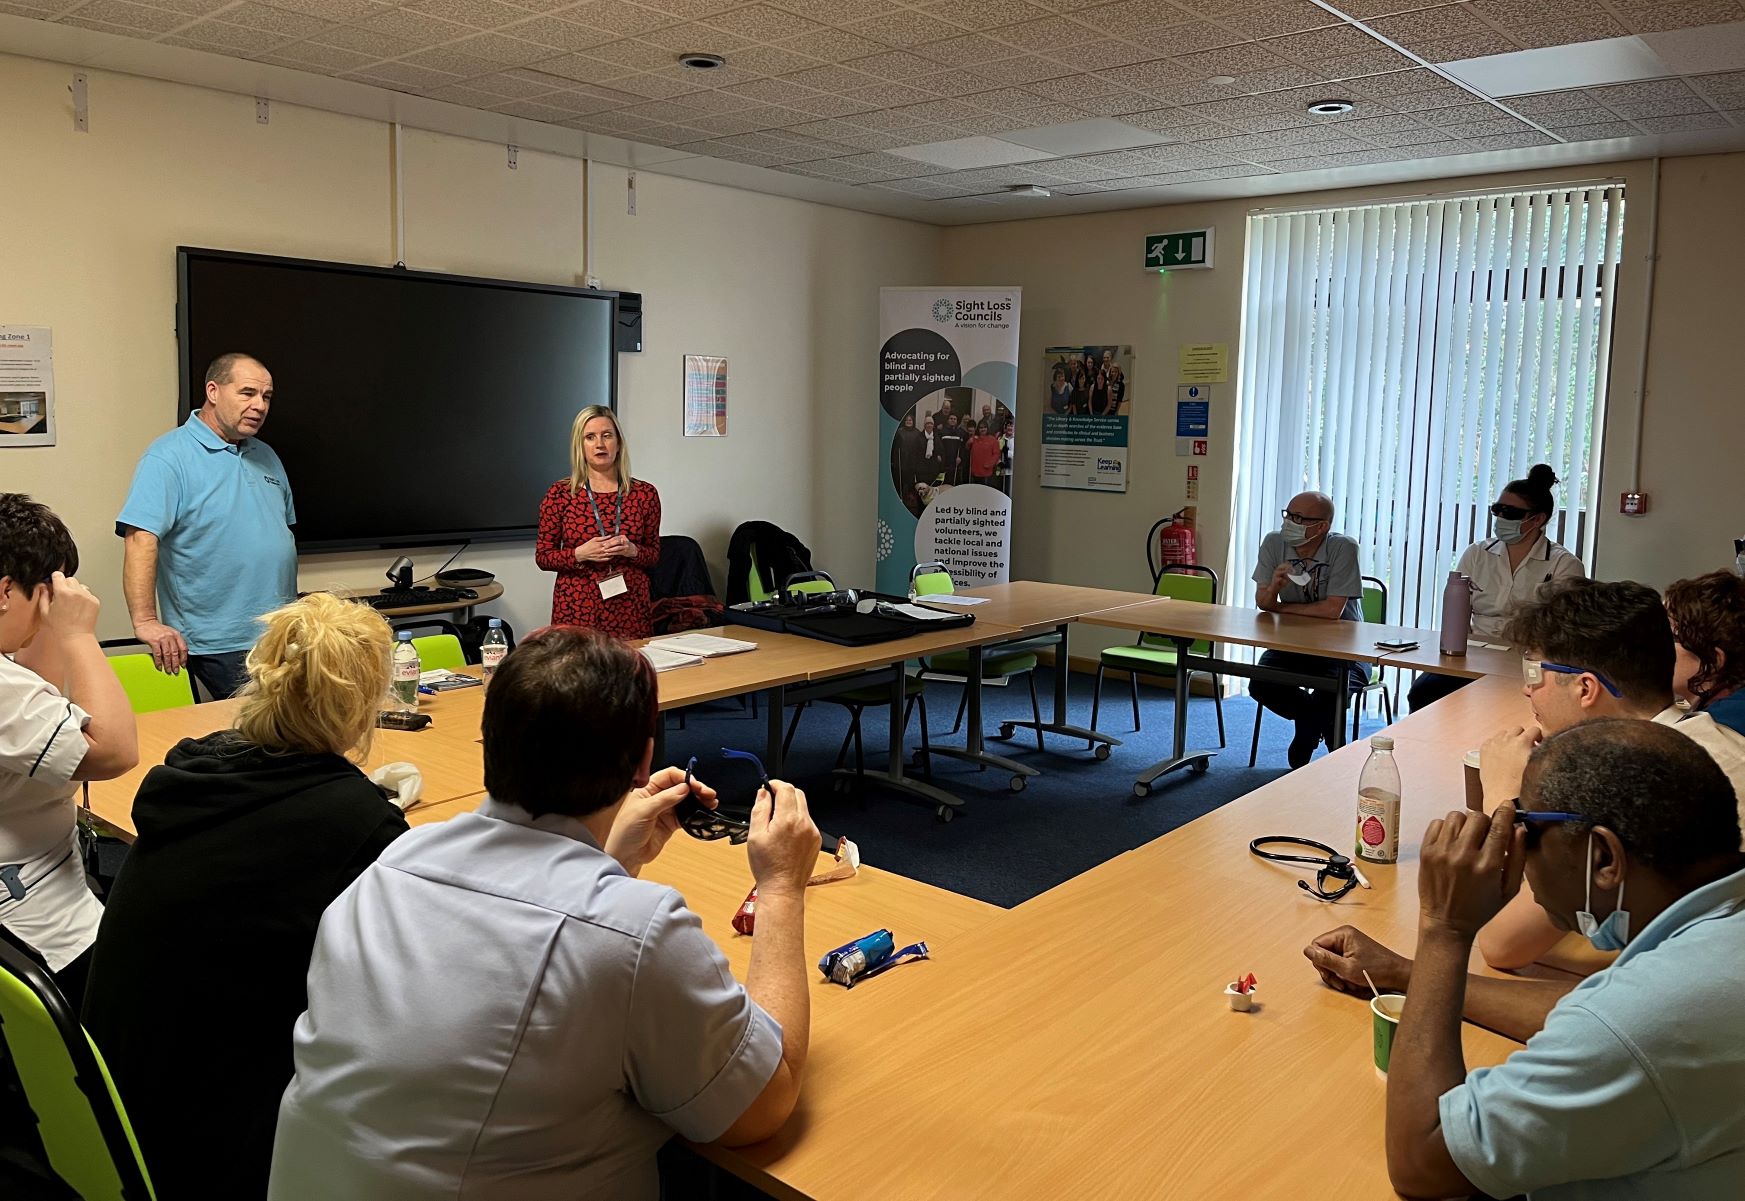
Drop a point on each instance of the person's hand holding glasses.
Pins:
(710, 823)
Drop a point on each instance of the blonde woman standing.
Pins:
(245, 837)
(599, 530)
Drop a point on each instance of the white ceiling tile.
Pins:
(1685, 123)
(950, 83)
(964, 49)
(1108, 52)
(769, 60)
(1279, 17)
(616, 16)
(1465, 46)
(1590, 28)
(135, 17)
(971, 152)
(1510, 141)
(694, 35)
(690, 10)
(415, 27)
(1546, 103)
(895, 64)
(831, 45)
(1663, 17)
(1020, 70)
(558, 34)
(1600, 132)
(1559, 67)
(1187, 38)
(274, 20)
(983, 14)
(1696, 51)
(649, 86)
(887, 115)
(769, 91)
(1356, 66)
(1115, 104)
(220, 37)
(832, 78)
(761, 23)
(480, 14)
(441, 58)
(1321, 43)
(505, 50)
(402, 75)
(1073, 88)
(830, 12)
(1080, 137)
(329, 10)
(1048, 35)
(1131, 16)
(1411, 29)
(363, 41)
(307, 56)
(903, 28)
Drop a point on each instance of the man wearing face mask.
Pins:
(1307, 570)
(1630, 1085)
(1510, 569)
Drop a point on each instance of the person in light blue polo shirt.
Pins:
(1635, 1086)
(206, 530)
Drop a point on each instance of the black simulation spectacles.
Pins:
(1510, 512)
(700, 821)
(1300, 519)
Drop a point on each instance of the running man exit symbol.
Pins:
(1178, 251)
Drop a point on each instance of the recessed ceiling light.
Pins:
(1028, 189)
(1330, 108)
(1222, 81)
(701, 62)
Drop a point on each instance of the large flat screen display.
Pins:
(410, 408)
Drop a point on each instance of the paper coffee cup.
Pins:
(1385, 1020)
(1474, 787)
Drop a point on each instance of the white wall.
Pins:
(786, 289)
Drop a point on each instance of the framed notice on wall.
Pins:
(705, 396)
(27, 386)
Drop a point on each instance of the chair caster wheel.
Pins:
(1200, 767)
(1016, 784)
(1101, 752)
(1006, 730)
(945, 813)
(1141, 790)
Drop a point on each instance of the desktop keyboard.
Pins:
(390, 598)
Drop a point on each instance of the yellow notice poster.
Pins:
(1205, 363)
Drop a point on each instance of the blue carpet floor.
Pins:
(1006, 847)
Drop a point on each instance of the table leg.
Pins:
(945, 804)
(775, 700)
(973, 750)
(1062, 674)
(659, 759)
(1341, 709)
(1180, 756)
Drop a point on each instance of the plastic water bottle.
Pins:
(1456, 614)
(1378, 804)
(493, 648)
(407, 669)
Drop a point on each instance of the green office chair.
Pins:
(147, 688)
(83, 1128)
(1375, 611)
(442, 649)
(1000, 662)
(1156, 654)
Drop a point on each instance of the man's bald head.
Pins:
(1313, 504)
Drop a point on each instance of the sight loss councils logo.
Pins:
(942, 309)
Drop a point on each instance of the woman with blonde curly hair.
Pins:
(245, 837)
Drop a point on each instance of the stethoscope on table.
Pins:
(1333, 867)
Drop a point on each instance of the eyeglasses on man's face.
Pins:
(1301, 518)
(1533, 671)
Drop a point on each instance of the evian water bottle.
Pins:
(1378, 804)
(494, 647)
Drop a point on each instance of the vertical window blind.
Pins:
(1409, 359)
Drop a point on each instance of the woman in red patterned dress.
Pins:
(600, 531)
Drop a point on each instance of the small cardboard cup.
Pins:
(1240, 1001)
(1474, 786)
(1385, 1021)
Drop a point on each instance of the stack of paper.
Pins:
(916, 612)
(952, 598)
(666, 660)
(708, 646)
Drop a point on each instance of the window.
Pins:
(1409, 359)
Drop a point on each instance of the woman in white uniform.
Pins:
(1508, 569)
(63, 718)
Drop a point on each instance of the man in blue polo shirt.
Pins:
(1628, 832)
(206, 530)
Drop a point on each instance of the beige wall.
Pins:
(787, 290)
(1083, 283)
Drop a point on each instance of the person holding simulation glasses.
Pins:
(1509, 569)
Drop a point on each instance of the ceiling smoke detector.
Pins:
(701, 62)
(1330, 108)
(1028, 189)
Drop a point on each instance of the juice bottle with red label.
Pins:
(1378, 804)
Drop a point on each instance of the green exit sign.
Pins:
(1178, 251)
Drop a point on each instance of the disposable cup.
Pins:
(1474, 789)
(1385, 1020)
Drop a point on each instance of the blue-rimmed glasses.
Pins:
(700, 821)
(1533, 671)
(1535, 821)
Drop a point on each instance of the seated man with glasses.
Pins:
(499, 1009)
(1307, 570)
(1629, 1085)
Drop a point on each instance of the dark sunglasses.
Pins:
(700, 821)
(1510, 512)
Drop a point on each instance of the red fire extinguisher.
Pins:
(1176, 542)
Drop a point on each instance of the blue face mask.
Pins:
(1292, 533)
(1613, 933)
(1509, 532)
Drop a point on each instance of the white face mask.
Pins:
(1292, 533)
(1507, 530)
(1613, 934)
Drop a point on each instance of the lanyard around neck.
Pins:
(618, 511)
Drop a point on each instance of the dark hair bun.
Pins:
(1541, 476)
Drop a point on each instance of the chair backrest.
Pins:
(930, 579)
(754, 585)
(439, 650)
(1188, 582)
(80, 1119)
(149, 689)
(1375, 601)
(808, 583)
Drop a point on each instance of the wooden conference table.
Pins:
(1187, 622)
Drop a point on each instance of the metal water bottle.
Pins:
(1456, 614)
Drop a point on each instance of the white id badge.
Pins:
(613, 585)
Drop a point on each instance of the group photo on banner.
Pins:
(948, 432)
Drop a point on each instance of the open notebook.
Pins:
(703, 646)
